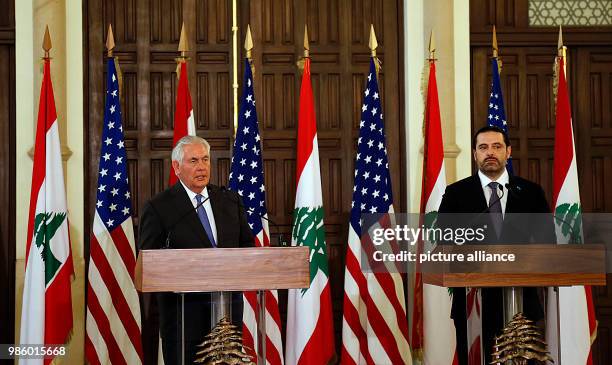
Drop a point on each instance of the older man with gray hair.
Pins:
(192, 214)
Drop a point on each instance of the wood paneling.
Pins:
(231, 269)
(7, 173)
(527, 81)
(339, 33)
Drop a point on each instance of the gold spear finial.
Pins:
(110, 41)
(306, 43)
(373, 43)
(562, 50)
(46, 42)
(560, 47)
(248, 42)
(495, 48)
(432, 46)
(301, 62)
(183, 46)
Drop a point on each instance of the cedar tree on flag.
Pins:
(310, 332)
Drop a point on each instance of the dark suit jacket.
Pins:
(170, 214)
(467, 196)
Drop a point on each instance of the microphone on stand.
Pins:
(170, 229)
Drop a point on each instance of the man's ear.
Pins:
(175, 166)
(474, 155)
(509, 150)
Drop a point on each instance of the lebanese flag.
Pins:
(184, 123)
(310, 332)
(46, 315)
(577, 323)
(433, 330)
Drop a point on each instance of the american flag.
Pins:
(113, 310)
(247, 178)
(496, 114)
(375, 329)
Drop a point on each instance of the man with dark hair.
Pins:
(491, 128)
(493, 193)
(171, 220)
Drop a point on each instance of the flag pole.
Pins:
(110, 46)
(248, 44)
(47, 43)
(432, 47)
(306, 42)
(183, 48)
(373, 44)
(562, 52)
(496, 50)
(417, 330)
(301, 61)
(235, 61)
(110, 41)
(248, 47)
(261, 294)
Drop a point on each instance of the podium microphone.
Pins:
(171, 228)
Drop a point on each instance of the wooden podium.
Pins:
(224, 269)
(534, 265)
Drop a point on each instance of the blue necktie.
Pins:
(204, 219)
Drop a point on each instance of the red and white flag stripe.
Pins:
(474, 326)
(274, 340)
(374, 326)
(113, 308)
(46, 315)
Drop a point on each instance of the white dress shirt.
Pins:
(502, 181)
(206, 205)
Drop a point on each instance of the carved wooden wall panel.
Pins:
(147, 34)
(527, 81)
(7, 172)
(594, 78)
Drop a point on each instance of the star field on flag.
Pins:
(496, 113)
(246, 176)
(113, 200)
(372, 189)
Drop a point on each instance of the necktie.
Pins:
(204, 219)
(495, 208)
